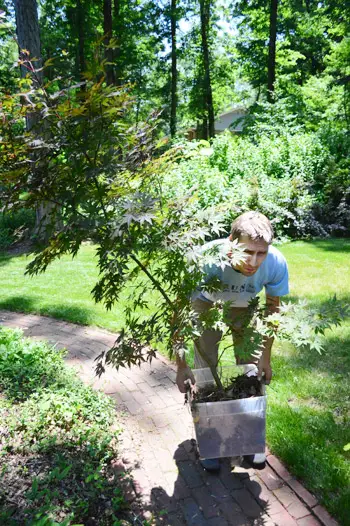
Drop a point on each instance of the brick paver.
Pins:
(157, 447)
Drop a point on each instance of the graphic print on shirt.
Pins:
(240, 289)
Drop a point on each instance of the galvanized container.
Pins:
(230, 428)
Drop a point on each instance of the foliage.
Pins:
(61, 432)
(305, 326)
(283, 174)
(8, 52)
(25, 366)
(312, 53)
(104, 182)
(99, 177)
(15, 226)
(136, 44)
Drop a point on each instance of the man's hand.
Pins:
(266, 369)
(184, 378)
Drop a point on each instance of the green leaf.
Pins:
(207, 152)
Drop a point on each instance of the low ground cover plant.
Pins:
(58, 439)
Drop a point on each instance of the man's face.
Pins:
(256, 252)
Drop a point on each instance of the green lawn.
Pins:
(308, 416)
(62, 292)
(309, 399)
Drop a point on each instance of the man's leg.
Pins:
(205, 354)
(208, 344)
(239, 319)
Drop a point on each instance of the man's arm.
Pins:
(273, 304)
(184, 374)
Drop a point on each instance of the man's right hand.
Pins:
(184, 378)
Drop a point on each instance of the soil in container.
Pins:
(239, 387)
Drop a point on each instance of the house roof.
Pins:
(234, 109)
(223, 121)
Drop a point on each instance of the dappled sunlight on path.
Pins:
(158, 449)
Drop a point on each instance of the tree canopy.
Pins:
(192, 59)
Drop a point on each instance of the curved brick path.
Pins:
(157, 444)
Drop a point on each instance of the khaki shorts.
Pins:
(208, 343)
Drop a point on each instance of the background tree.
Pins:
(173, 21)
(107, 28)
(271, 67)
(208, 121)
(28, 36)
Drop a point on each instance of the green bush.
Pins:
(15, 225)
(57, 435)
(285, 175)
(26, 365)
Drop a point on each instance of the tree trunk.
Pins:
(107, 29)
(117, 52)
(28, 36)
(271, 66)
(204, 131)
(205, 19)
(80, 21)
(173, 20)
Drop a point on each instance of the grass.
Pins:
(63, 292)
(308, 409)
(308, 404)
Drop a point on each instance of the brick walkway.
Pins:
(158, 449)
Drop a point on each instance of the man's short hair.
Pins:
(254, 225)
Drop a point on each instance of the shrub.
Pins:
(57, 440)
(26, 365)
(278, 176)
(15, 225)
(298, 178)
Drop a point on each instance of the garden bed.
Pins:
(58, 442)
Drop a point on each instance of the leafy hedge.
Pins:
(291, 176)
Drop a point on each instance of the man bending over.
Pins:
(263, 267)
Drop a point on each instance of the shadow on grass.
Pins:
(29, 304)
(22, 250)
(5, 259)
(331, 245)
(318, 301)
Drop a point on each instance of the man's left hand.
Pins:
(266, 369)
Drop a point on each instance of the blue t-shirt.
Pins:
(239, 289)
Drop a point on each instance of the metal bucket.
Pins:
(230, 428)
